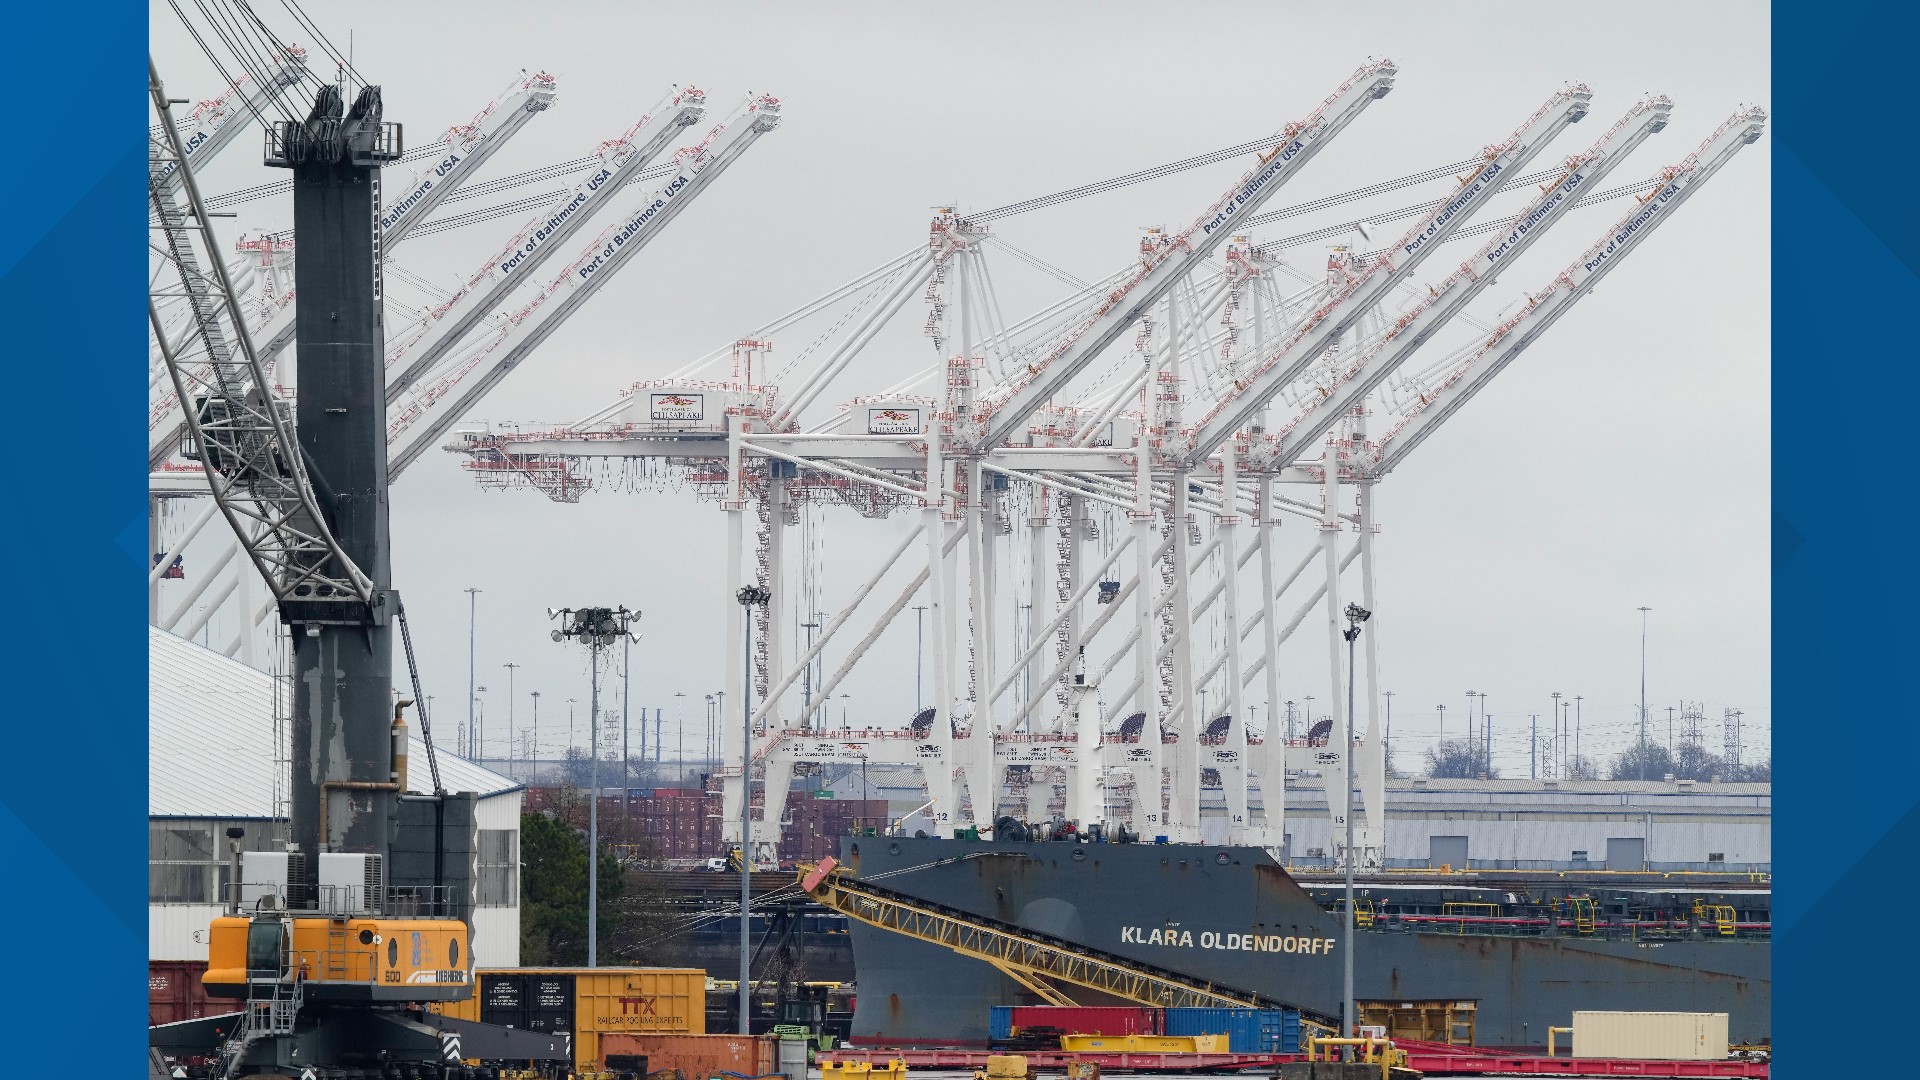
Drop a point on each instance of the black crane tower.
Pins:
(342, 667)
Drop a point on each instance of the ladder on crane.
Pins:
(1035, 960)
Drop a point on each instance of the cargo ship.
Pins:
(1520, 952)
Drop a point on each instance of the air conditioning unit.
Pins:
(263, 879)
(351, 883)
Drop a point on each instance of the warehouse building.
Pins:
(1485, 824)
(216, 759)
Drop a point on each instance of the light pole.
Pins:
(1559, 744)
(1485, 752)
(626, 752)
(1441, 741)
(479, 729)
(510, 667)
(594, 628)
(1355, 616)
(748, 597)
(1386, 744)
(1576, 724)
(1643, 691)
(473, 623)
(844, 698)
(534, 776)
(680, 725)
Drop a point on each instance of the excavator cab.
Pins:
(266, 948)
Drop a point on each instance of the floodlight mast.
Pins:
(596, 628)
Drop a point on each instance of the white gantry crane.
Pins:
(1119, 698)
(212, 125)
(619, 161)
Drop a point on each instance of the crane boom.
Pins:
(1162, 265)
(1302, 435)
(1032, 958)
(1511, 338)
(1322, 328)
(252, 461)
(619, 160)
(469, 146)
(532, 323)
(218, 120)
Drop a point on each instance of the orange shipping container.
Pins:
(700, 1057)
(588, 1003)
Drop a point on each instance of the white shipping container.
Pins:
(1658, 1036)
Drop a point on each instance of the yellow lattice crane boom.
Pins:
(1040, 962)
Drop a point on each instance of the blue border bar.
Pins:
(1846, 236)
(73, 777)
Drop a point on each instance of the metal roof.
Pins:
(210, 735)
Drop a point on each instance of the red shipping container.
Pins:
(1112, 1021)
(174, 992)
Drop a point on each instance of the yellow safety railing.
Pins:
(1374, 1050)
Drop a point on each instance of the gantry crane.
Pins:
(1240, 409)
(534, 321)
(619, 160)
(1165, 262)
(1075, 463)
(1544, 308)
(1301, 436)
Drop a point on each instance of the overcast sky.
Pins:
(1622, 462)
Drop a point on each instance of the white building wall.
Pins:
(1555, 837)
(179, 931)
(496, 930)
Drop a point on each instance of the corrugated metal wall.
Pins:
(171, 928)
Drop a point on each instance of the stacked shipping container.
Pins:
(1248, 1031)
(587, 1003)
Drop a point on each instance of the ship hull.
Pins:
(1235, 916)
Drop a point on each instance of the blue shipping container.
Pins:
(999, 1023)
(1248, 1031)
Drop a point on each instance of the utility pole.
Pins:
(534, 776)
(1643, 691)
(1576, 724)
(1533, 746)
(1559, 740)
(510, 667)
(1442, 710)
(1386, 745)
(473, 623)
